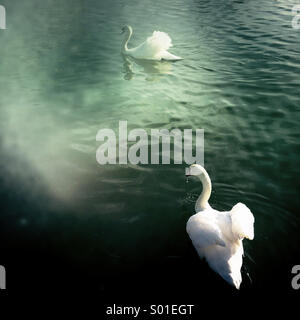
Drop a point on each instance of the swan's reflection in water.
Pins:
(152, 69)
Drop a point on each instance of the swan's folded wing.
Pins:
(159, 41)
(242, 221)
(204, 231)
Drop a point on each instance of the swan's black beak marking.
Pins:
(187, 172)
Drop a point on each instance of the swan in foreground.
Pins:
(217, 235)
(154, 48)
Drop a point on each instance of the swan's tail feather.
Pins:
(242, 221)
(169, 56)
(159, 41)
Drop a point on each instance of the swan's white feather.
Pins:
(166, 55)
(159, 41)
(212, 237)
(226, 261)
(204, 230)
(154, 47)
(242, 221)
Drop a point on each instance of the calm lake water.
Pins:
(120, 229)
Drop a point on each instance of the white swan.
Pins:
(154, 48)
(217, 236)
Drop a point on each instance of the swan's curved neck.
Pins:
(126, 39)
(202, 201)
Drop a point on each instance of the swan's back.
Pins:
(226, 261)
(212, 237)
(242, 221)
(154, 48)
(159, 41)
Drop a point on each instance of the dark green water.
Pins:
(121, 229)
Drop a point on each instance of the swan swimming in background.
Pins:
(217, 235)
(154, 48)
